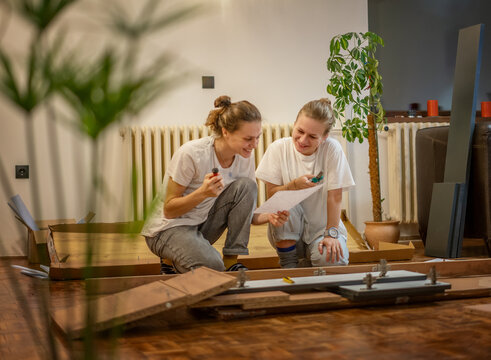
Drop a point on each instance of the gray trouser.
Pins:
(189, 247)
(307, 249)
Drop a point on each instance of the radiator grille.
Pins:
(401, 157)
(148, 151)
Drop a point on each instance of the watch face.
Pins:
(333, 232)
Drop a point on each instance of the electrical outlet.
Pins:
(22, 171)
(208, 82)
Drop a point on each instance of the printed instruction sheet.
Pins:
(285, 200)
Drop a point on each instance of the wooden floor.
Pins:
(438, 330)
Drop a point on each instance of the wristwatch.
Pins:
(331, 232)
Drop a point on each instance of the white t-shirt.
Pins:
(188, 167)
(282, 163)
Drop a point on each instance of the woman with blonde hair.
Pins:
(314, 235)
(210, 186)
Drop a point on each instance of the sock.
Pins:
(288, 256)
(229, 260)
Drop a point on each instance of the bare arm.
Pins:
(333, 247)
(176, 205)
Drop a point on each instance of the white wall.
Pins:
(270, 52)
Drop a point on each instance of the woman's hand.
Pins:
(301, 182)
(334, 252)
(212, 185)
(279, 218)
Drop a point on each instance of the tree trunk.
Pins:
(373, 167)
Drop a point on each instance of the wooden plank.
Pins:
(202, 283)
(44, 224)
(298, 300)
(444, 269)
(61, 271)
(121, 227)
(354, 237)
(386, 251)
(117, 309)
(261, 299)
(143, 301)
(260, 261)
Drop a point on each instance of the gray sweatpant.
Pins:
(189, 247)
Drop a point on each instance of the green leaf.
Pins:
(344, 43)
(332, 45)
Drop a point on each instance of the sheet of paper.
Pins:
(285, 200)
(23, 212)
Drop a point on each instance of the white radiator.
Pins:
(148, 150)
(401, 157)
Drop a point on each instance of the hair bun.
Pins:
(222, 101)
(325, 100)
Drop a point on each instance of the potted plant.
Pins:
(357, 86)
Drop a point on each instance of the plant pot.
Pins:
(386, 231)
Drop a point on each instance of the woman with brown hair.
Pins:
(210, 186)
(314, 235)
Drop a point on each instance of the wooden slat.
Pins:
(261, 299)
(77, 271)
(298, 300)
(388, 251)
(143, 301)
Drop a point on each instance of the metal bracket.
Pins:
(383, 267)
(242, 278)
(432, 276)
(369, 280)
(319, 272)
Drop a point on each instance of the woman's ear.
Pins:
(224, 133)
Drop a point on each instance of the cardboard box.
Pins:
(37, 250)
(79, 251)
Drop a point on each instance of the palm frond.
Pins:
(8, 81)
(149, 20)
(99, 95)
(41, 13)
